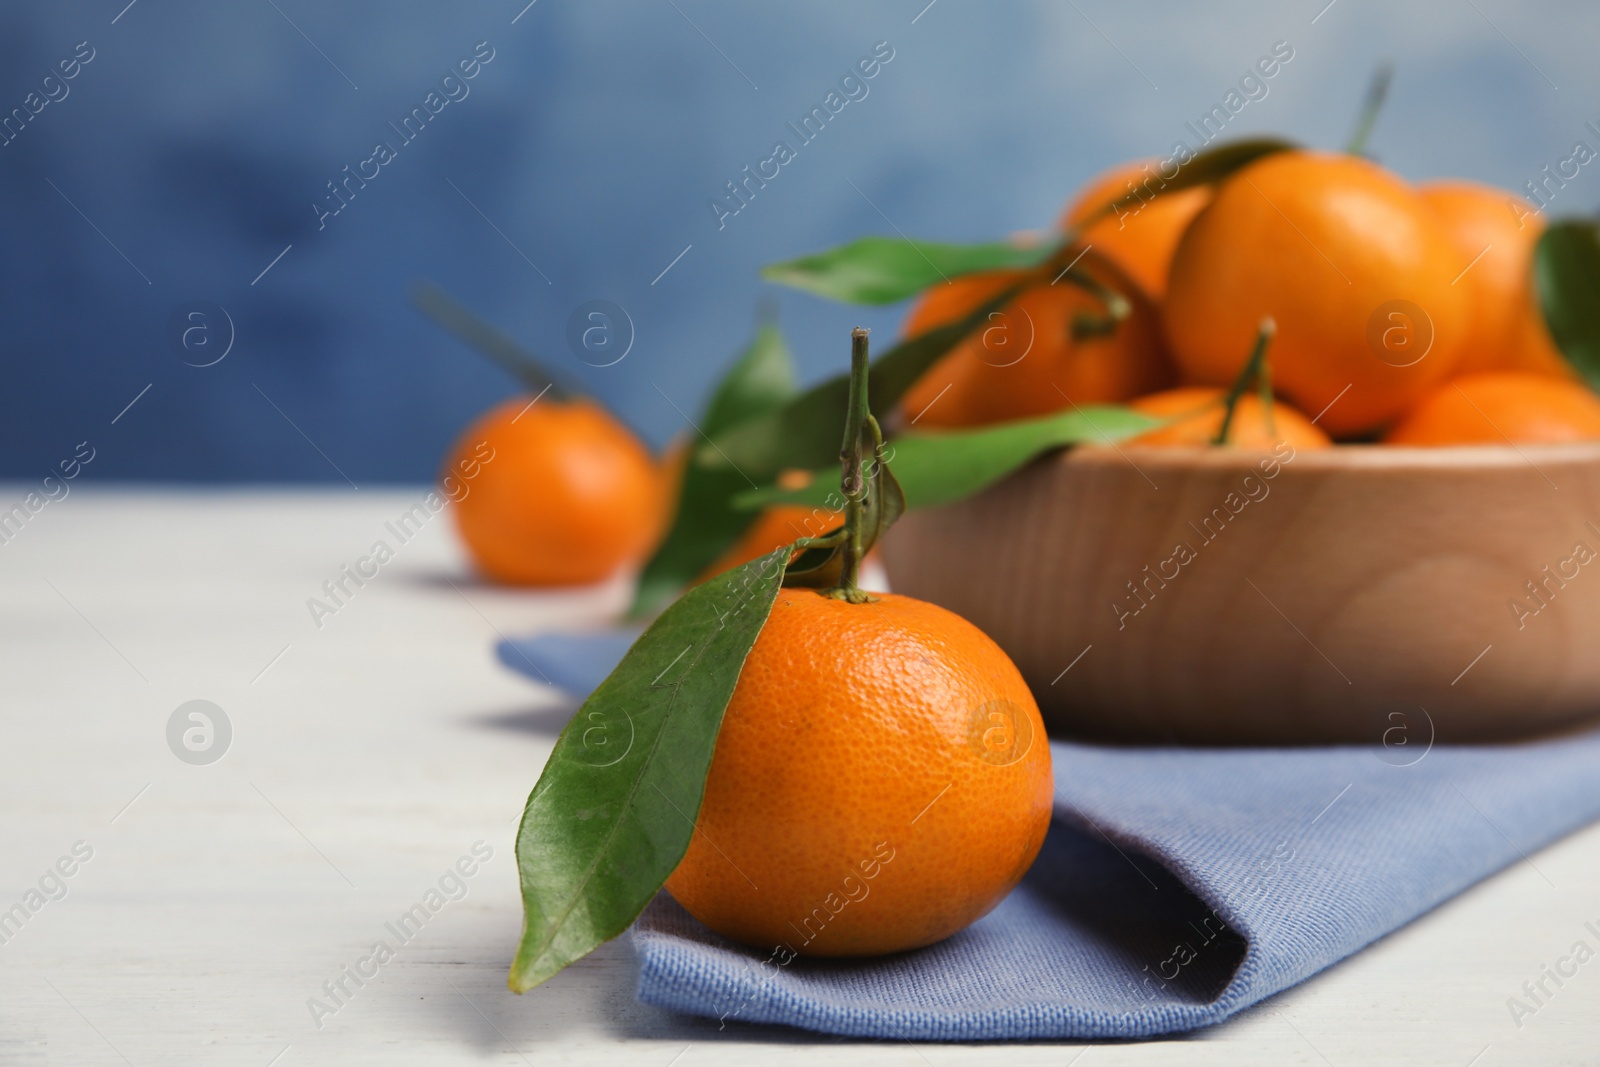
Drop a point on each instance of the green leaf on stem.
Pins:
(613, 812)
(1566, 271)
(705, 523)
(885, 270)
(941, 468)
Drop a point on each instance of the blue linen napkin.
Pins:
(1176, 887)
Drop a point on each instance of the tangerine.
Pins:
(882, 779)
(1354, 267)
(1501, 407)
(1027, 361)
(568, 497)
(1139, 237)
(1494, 231)
(1198, 411)
(776, 525)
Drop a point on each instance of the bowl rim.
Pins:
(1343, 457)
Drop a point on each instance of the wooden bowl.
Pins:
(1361, 594)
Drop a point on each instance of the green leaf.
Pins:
(705, 522)
(613, 812)
(941, 468)
(761, 379)
(805, 432)
(884, 270)
(1566, 271)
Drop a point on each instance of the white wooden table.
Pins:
(370, 755)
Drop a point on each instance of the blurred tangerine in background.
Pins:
(1139, 237)
(774, 527)
(1324, 244)
(1197, 412)
(570, 498)
(1494, 232)
(1503, 407)
(1052, 346)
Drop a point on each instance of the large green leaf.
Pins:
(884, 270)
(613, 812)
(805, 432)
(762, 378)
(940, 468)
(1566, 269)
(705, 522)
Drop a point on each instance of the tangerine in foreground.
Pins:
(570, 498)
(881, 780)
(1496, 408)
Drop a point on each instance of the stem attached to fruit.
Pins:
(852, 481)
(1256, 370)
(1117, 306)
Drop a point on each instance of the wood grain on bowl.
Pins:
(1374, 595)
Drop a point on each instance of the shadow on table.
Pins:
(544, 720)
(599, 603)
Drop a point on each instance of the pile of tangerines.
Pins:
(1404, 315)
(1398, 315)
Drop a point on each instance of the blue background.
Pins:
(198, 138)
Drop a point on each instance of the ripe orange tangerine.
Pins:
(1494, 231)
(882, 779)
(1026, 361)
(1140, 237)
(1353, 266)
(569, 498)
(1199, 411)
(1502, 407)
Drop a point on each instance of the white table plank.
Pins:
(375, 751)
